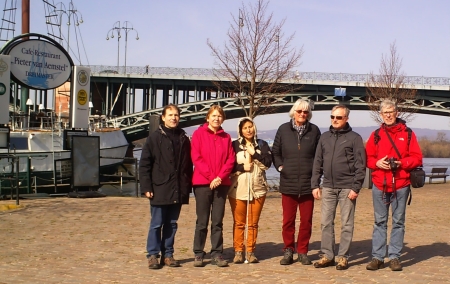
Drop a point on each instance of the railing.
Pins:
(302, 76)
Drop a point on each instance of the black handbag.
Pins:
(417, 175)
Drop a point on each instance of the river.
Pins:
(273, 176)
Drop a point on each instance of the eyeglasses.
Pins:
(338, 117)
(388, 112)
(302, 111)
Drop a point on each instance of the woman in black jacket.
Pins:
(165, 174)
(293, 156)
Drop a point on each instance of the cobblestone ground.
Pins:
(102, 240)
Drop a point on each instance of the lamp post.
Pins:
(29, 104)
(73, 16)
(126, 27)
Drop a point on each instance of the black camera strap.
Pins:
(393, 173)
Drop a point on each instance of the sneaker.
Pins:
(219, 261)
(238, 257)
(342, 263)
(153, 262)
(287, 258)
(251, 258)
(171, 262)
(395, 265)
(304, 259)
(198, 261)
(323, 262)
(375, 264)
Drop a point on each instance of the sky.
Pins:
(347, 36)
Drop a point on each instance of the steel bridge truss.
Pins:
(136, 126)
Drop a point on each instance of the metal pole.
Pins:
(126, 41)
(137, 187)
(118, 46)
(17, 180)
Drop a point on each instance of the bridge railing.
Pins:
(301, 76)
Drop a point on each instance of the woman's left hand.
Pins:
(251, 149)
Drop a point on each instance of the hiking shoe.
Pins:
(219, 261)
(287, 258)
(342, 263)
(171, 262)
(304, 259)
(395, 265)
(153, 262)
(375, 264)
(198, 261)
(251, 258)
(238, 257)
(323, 262)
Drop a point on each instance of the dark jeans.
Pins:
(209, 203)
(164, 218)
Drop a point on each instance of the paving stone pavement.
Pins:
(102, 240)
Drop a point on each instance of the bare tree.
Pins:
(257, 61)
(390, 84)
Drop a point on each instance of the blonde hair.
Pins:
(213, 108)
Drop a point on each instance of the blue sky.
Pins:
(337, 36)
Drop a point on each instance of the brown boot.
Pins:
(395, 265)
(238, 257)
(375, 264)
(342, 263)
(153, 262)
(251, 258)
(324, 262)
(171, 262)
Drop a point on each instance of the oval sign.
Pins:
(39, 64)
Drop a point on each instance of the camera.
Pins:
(392, 163)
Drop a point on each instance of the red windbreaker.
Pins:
(212, 156)
(411, 157)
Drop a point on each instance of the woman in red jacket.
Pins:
(213, 158)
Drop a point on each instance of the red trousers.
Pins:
(239, 210)
(305, 204)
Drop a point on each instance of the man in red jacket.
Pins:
(391, 185)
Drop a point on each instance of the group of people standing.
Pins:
(329, 166)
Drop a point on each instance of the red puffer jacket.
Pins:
(411, 157)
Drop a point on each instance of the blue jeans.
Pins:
(330, 199)
(164, 219)
(381, 211)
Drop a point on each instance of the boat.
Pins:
(38, 158)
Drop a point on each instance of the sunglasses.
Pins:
(337, 117)
(302, 111)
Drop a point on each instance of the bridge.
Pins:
(134, 99)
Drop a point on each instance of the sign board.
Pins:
(80, 97)
(39, 64)
(4, 137)
(4, 88)
(85, 161)
(340, 92)
(68, 134)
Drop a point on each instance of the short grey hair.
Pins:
(388, 104)
(303, 105)
(345, 108)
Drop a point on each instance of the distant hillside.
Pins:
(363, 131)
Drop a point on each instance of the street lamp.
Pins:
(73, 16)
(126, 27)
(29, 103)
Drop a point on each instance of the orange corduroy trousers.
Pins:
(239, 211)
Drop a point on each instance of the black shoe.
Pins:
(304, 259)
(323, 262)
(153, 262)
(287, 258)
(219, 261)
(375, 264)
(395, 265)
(198, 261)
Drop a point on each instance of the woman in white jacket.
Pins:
(248, 188)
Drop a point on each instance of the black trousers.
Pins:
(209, 203)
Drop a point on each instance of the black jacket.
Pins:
(167, 175)
(296, 155)
(341, 159)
